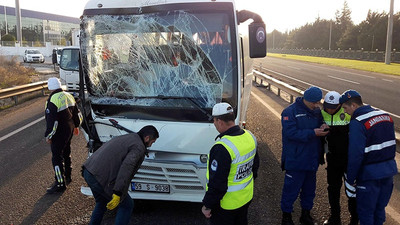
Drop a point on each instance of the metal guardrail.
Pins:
(292, 91)
(18, 91)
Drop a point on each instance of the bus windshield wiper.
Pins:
(191, 100)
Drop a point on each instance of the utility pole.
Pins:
(5, 19)
(18, 17)
(330, 35)
(388, 52)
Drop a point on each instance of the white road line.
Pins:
(266, 105)
(341, 71)
(292, 67)
(22, 128)
(293, 78)
(338, 78)
(281, 74)
(387, 80)
(389, 210)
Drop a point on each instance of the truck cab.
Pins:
(69, 68)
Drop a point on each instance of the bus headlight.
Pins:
(203, 158)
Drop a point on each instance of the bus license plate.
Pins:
(163, 188)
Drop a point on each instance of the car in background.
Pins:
(33, 55)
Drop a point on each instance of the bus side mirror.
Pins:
(257, 40)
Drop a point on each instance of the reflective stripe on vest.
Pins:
(242, 149)
(340, 118)
(379, 146)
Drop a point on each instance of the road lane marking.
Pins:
(342, 71)
(266, 105)
(22, 128)
(338, 78)
(387, 80)
(287, 76)
(293, 78)
(292, 67)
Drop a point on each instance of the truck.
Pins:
(69, 69)
(165, 63)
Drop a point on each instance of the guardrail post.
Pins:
(279, 92)
(291, 99)
(15, 99)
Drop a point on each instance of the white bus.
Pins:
(166, 63)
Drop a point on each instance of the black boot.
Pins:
(287, 219)
(67, 174)
(333, 220)
(68, 180)
(353, 211)
(305, 218)
(56, 187)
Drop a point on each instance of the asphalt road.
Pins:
(26, 172)
(378, 90)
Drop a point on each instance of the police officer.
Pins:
(302, 128)
(336, 155)
(371, 165)
(231, 169)
(62, 120)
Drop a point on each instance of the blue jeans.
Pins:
(125, 207)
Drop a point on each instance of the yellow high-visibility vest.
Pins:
(242, 149)
(62, 100)
(339, 119)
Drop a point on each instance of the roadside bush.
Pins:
(12, 73)
(8, 40)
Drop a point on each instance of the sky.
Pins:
(282, 15)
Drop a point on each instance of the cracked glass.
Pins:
(169, 59)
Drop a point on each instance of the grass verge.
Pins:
(378, 67)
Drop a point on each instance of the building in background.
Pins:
(38, 27)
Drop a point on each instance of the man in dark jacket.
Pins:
(336, 144)
(231, 169)
(62, 120)
(302, 128)
(371, 164)
(110, 169)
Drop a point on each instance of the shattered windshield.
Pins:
(168, 59)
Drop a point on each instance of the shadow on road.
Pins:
(40, 208)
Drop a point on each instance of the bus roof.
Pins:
(96, 4)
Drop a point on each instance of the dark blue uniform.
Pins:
(300, 154)
(371, 165)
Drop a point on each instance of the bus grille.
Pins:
(186, 179)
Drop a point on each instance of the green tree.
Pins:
(276, 39)
(9, 40)
(343, 23)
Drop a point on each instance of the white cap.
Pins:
(53, 83)
(221, 109)
(331, 100)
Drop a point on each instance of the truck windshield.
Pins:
(70, 59)
(132, 59)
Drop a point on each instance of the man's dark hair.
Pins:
(357, 100)
(148, 130)
(227, 117)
